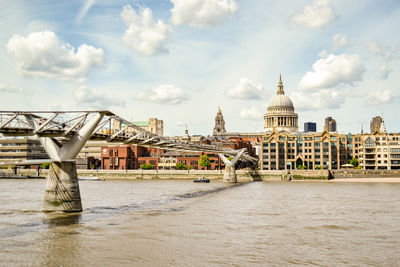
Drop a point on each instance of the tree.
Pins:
(181, 166)
(45, 165)
(204, 161)
(354, 162)
(146, 166)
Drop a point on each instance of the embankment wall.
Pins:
(242, 175)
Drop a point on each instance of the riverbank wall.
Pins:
(353, 173)
(242, 175)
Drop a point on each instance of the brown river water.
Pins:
(180, 223)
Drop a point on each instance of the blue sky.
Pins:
(179, 60)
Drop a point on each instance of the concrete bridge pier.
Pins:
(230, 172)
(62, 188)
(229, 175)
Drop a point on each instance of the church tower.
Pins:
(219, 127)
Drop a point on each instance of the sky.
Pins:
(179, 60)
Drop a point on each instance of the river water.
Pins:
(180, 223)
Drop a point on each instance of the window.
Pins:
(369, 143)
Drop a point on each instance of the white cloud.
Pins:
(316, 15)
(164, 94)
(333, 70)
(42, 54)
(384, 72)
(379, 50)
(97, 99)
(144, 34)
(200, 13)
(6, 88)
(323, 99)
(380, 97)
(246, 89)
(251, 113)
(339, 40)
(84, 9)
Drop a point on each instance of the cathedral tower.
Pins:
(219, 127)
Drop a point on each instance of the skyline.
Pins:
(144, 59)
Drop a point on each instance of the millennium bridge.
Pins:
(64, 133)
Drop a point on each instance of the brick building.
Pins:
(117, 157)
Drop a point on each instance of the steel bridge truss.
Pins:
(63, 126)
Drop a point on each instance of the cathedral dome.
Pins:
(281, 101)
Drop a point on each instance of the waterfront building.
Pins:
(219, 127)
(330, 124)
(375, 123)
(310, 127)
(21, 149)
(286, 151)
(280, 114)
(378, 150)
(117, 157)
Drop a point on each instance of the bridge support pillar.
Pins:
(229, 172)
(62, 188)
(229, 175)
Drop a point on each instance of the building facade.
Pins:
(117, 157)
(21, 149)
(377, 150)
(287, 151)
(310, 127)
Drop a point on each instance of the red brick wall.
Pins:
(117, 158)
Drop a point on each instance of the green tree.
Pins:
(45, 165)
(317, 167)
(354, 162)
(146, 166)
(181, 166)
(205, 161)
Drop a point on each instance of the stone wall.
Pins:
(353, 173)
(308, 175)
(242, 175)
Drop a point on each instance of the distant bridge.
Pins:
(64, 133)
